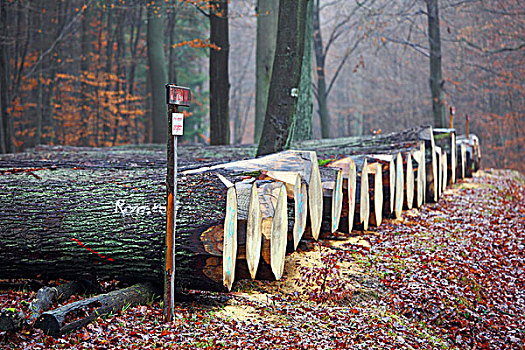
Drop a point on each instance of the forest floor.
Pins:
(450, 275)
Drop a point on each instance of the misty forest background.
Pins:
(77, 72)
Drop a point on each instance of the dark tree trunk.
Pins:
(267, 15)
(302, 126)
(157, 71)
(320, 57)
(6, 121)
(436, 79)
(286, 73)
(102, 221)
(219, 76)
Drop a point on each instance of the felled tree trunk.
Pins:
(58, 322)
(47, 295)
(88, 223)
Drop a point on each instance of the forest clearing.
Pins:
(448, 275)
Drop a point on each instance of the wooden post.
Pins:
(451, 117)
(171, 210)
(175, 96)
(466, 117)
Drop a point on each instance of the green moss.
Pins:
(324, 161)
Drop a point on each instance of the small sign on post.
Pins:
(175, 96)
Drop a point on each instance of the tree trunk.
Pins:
(96, 222)
(320, 57)
(267, 15)
(286, 73)
(219, 76)
(157, 71)
(6, 127)
(436, 79)
(302, 126)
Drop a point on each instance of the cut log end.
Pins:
(253, 232)
(315, 200)
(376, 216)
(279, 234)
(301, 212)
(400, 188)
(410, 182)
(364, 199)
(352, 177)
(337, 201)
(229, 257)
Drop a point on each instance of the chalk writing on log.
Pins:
(126, 209)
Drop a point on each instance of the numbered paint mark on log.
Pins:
(126, 209)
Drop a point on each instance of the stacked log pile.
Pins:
(85, 213)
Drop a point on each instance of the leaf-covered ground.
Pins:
(450, 275)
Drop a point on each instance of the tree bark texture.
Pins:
(219, 76)
(286, 73)
(6, 121)
(436, 78)
(302, 126)
(320, 57)
(267, 15)
(96, 222)
(157, 70)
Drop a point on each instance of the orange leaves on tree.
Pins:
(197, 43)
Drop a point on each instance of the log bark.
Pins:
(362, 214)
(47, 295)
(89, 223)
(462, 160)
(472, 153)
(56, 322)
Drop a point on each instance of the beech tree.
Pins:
(267, 15)
(157, 70)
(286, 74)
(436, 75)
